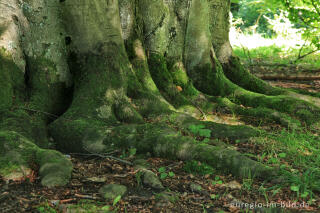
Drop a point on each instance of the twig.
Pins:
(45, 113)
(271, 65)
(134, 197)
(67, 200)
(34, 110)
(315, 7)
(104, 156)
(86, 196)
(302, 56)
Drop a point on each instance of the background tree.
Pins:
(92, 76)
(306, 15)
(258, 15)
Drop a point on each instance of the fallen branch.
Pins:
(288, 77)
(86, 197)
(67, 200)
(104, 156)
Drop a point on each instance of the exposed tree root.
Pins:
(287, 110)
(239, 75)
(163, 141)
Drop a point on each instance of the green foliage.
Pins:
(298, 156)
(214, 196)
(247, 183)
(129, 153)
(46, 208)
(200, 130)
(116, 200)
(171, 174)
(216, 181)
(139, 178)
(305, 14)
(252, 13)
(89, 206)
(282, 155)
(164, 174)
(305, 184)
(195, 167)
(277, 54)
(272, 18)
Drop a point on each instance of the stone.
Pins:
(151, 179)
(195, 187)
(111, 191)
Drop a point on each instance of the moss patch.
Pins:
(11, 82)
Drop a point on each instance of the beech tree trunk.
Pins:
(92, 76)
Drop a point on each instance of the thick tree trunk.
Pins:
(95, 75)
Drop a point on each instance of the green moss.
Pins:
(141, 87)
(7, 167)
(261, 114)
(18, 152)
(30, 125)
(180, 78)
(98, 82)
(11, 82)
(164, 81)
(238, 74)
(55, 169)
(98, 98)
(125, 112)
(46, 92)
(232, 161)
(70, 135)
(300, 109)
(155, 16)
(163, 141)
(307, 116)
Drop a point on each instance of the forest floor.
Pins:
(219, 192)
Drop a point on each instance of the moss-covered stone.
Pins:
(55, 169)
(165, 197)
(17, 153)
(150, 179)
(111, 191)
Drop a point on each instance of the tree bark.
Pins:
(91, 76)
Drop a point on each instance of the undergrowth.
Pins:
(297, 155)
(275, 54)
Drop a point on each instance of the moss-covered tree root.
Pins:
(163, 141)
